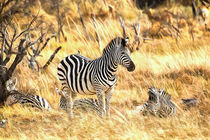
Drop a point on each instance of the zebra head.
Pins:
(11, 83)
(12, 99)
(122, 54)
(153, 94)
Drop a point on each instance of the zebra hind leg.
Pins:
(108, 96)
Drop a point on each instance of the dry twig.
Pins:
(96, 31)
(82, 21)
(51, 58)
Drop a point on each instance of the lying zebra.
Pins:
(24, 99)
(158, 104)
(80, 105)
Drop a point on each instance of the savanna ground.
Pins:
(181, 67)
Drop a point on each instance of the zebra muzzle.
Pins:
(131, 67)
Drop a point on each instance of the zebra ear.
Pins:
(14, 81)
(126, 40)
(161, 91)
(58, 91)
(64, 93)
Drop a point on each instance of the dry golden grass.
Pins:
(182, 69)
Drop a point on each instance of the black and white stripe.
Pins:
(34, 101)
(167, 107)
(84, 76)
(28, 99)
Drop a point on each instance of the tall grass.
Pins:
(182, 69)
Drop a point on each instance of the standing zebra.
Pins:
(80, 75)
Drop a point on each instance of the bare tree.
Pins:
(13, 43)
(36, 50)
(9, 8)
(194, 9)
(59, 16)
(139, 39)
(7, 49)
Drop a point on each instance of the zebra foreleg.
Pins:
(70, 104)
(108, 96)
(100, 96)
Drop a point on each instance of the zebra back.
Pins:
(167, 108)
(151, 108)
(164, 95)
(34, 101)
(28, 100)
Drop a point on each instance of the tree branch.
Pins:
(2, 47)
(29, 26)
(51, 57)
(45, 44)
(18, 58)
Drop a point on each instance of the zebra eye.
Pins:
(123, 53)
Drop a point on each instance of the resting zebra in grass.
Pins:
(83, 105)
(25, 99)
(158, 104)
(28, 100)
(79, 75)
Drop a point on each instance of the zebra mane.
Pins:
(111, 45)
(154, 93)
(165, 95)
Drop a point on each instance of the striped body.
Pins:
(35, 101)
(80, 75)
(159, 103)
(28, 99)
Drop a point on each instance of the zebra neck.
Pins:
(110, 66)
